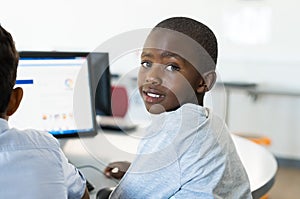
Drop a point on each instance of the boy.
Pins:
(187, 151)
(32, 164)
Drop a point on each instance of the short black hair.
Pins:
(195, 30)
(9, 59)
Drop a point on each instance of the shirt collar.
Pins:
(188, 113)
(3, 125)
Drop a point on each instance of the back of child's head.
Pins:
(9, 59)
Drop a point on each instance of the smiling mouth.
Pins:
(151, 97)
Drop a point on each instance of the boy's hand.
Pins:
(116, 169)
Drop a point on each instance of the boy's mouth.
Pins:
(152, 96)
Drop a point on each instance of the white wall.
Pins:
(258, 40)
(74, 24)
(274, 116)
(253, 34)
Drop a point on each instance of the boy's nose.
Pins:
(154, 75)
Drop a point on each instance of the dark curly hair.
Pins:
(9, 59)
(195, 30)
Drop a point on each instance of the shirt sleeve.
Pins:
(201, 181)
(74, 179)
(212, 170)
(183, 193)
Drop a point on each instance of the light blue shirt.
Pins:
(187, 153)
(32, 166)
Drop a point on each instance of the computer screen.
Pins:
(53, 82)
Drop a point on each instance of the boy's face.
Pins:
(166, 80)
(167, 77)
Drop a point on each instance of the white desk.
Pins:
(259, 163)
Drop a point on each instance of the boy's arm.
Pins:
(86, 194)
(75, 182)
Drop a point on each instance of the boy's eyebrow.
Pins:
(169, 54)
(147, 54)
(164, 54)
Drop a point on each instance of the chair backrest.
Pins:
(119, 101)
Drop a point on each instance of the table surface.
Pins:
(260, 164)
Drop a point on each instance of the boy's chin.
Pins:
(156, 109)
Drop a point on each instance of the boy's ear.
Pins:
(207, 82)
(14, 101)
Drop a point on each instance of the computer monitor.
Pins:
(50, 80)
(101, 82)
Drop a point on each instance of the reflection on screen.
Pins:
(47, 104)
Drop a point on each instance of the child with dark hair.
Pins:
(187, 151)
(32, 165)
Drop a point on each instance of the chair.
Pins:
(104, 193)
(119, 101)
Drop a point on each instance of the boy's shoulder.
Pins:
(30, 138)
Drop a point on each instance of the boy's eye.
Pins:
(146, 64)
(172, 67)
